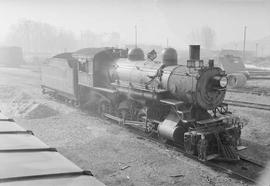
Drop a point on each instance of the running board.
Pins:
(109, 116)
(126, 122)
(212, 156)
(136, 123)
(240, 147)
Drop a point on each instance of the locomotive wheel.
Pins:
(125, 114)
(201, 148)
(162, 139)
(142, 117)
(104, 107)
(76, 104)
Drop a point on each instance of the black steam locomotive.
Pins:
(179, 103)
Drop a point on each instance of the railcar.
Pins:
(236, 70)
(178, 103)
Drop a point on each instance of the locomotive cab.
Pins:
(95, 66)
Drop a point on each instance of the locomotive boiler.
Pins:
(178, 103)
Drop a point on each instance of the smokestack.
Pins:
(194, 52)
(194, 57)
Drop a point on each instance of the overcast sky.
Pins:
(156, 19)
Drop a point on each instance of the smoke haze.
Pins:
(156, 19)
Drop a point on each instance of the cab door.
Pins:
(85, 73)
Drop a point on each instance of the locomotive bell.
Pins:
(169, 57)
(136, 54)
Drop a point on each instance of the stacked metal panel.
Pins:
(26, 160)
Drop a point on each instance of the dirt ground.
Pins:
(114, 155)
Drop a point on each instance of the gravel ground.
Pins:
(114, 155)
(118, 157)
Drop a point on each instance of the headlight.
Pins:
(223, 82)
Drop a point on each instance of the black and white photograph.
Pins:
(134, 92)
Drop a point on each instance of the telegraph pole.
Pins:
(257, 49)
(244, 46)
(235, 46)
(135, 36)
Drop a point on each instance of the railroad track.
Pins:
(247, 104)
(259, 74)
(250, 91)
(259, 77)
(245, 169)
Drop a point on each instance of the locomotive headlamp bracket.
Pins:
(219, 82)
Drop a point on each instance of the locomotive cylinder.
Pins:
(169, 128)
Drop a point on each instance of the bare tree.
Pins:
(35, 36)
(205, 37)
(195, 37)
(208, 37)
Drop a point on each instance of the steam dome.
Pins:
(169, 56)
(136, 54)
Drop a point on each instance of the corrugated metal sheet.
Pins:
(7, 126)
(22, 164)
(65, 181)
(26, 160)
(20, 141)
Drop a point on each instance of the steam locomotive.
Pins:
(178, 103)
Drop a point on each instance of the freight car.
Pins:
(179, 103)
(26, 161)
(236, 70)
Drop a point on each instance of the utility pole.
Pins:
(135, 36)
(257, 49)
(244, 47)
(167, 41)
(235, 44)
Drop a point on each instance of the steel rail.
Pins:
(180, 149)
(256, 92)
(259, 77)
(139, 131)
(247, 104)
